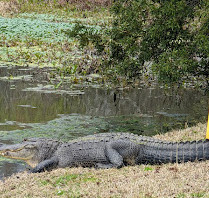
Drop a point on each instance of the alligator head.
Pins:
(32, 151)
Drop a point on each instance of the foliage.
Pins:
(86, 35)
(171, 35)
(26, 40)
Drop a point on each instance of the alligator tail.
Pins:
(157, 152)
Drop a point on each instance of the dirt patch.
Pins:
(9, 8)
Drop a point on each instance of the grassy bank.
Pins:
(169, 180)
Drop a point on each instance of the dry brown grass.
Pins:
(9, 7)
(80, 4)
(85, 4)
(197, 132)
(171, 180)
(168, 180)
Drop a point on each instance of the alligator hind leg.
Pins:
(45, 165)
(113, 156)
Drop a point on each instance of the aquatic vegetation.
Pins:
(37, 28)
(14, 78)
(52, 89)
(67, 127)
(21, 29)
(64, 128)
(31, 39)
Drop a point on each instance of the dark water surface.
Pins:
(31, 107)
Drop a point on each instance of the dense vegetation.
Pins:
(172, 36)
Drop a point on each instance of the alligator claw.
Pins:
(103, 166)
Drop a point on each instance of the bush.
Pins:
(172, 34)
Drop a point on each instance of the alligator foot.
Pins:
(103, 166)
(45, 165)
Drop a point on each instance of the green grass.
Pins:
(181, 195)
(198, 194)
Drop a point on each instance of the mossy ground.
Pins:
(168, 180)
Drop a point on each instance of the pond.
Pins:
(31, 106)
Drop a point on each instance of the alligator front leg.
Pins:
(45, 165)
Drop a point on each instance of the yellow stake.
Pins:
(207, 134)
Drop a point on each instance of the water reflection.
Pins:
(27, 107)
(9, 168)
(17, 106)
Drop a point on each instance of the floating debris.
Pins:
(27, 106)
(14, 78)
(50, 89)
(172, 115)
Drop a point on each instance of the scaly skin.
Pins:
(105, 150)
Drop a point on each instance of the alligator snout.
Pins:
(6, 153)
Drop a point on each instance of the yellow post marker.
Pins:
(207, 133)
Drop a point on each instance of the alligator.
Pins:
(106, 150)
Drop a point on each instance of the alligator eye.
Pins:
(25, 139)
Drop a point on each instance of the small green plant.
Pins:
(56, 86)
(60, 192)
(148, 168)
(197, 195)
(181, 195)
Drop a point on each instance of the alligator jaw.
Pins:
(16, 151)
(10, 154)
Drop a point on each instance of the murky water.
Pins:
(31, 107)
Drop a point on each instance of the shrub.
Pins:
(172, 34)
